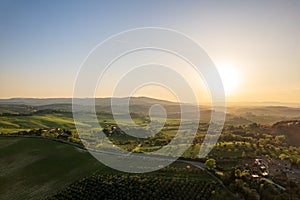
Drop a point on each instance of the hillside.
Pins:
(22, 113)
(33, 167)
(291, 129)
(39, 168)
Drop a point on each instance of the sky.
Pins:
(254, 44)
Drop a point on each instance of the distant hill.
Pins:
(35, 101)
(137, 104)
(290, 128)
(98, 101)
(265, 110)
(236, 115)
(16, 109)
(263, 114)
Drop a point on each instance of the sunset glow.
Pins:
(231, 79)
(255, 48)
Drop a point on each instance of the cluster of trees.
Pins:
(246, 141)
(138, 187)
(55, 133)
(127, 142)
(252, 141)
(241, 183)
(210, 164)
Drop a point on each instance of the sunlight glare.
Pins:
(230, 77)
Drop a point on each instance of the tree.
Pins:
(283, 156)
(243, 154)
(237, 173)
(210, 163)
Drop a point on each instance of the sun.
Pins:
(230, 77)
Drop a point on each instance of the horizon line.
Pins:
(107, 97)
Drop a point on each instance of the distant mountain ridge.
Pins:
(137, 104)
(141, 99)
(98, 101)
(237, 115)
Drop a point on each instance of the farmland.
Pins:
(140, 187)
(44, 156)
(33, 167)
(39, 168)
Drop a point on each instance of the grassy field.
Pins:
(16, 123)
(64, 120)
(33, 167)
(36, 168)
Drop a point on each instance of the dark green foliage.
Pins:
(137, 187)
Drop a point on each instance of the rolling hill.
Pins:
(291, 129)
(36, 167)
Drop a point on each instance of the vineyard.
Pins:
(139, 187)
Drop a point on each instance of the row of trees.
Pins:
(138, 187)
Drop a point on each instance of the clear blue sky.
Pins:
(42, 43)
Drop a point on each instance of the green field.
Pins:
(10, 124)
(34, 168)
(39, 157)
